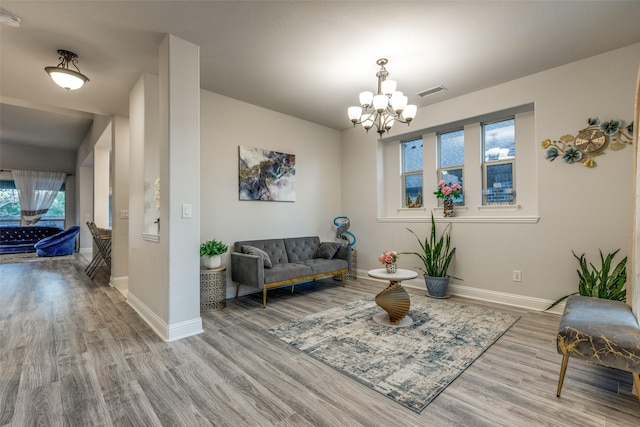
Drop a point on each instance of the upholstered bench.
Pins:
(600, 331)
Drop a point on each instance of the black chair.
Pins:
(102, 239)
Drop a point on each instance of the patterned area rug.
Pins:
(410, 365)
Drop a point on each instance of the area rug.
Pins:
(410, 365)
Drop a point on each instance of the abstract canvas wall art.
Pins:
(266, 175)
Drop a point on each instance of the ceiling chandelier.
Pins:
(65, 77)
(383, 109)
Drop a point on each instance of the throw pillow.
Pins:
(327, 250)
(251, 250)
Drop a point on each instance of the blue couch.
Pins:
(20, 239)
(63, 243)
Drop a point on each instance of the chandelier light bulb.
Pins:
(388, 87)
(354, 113)
(388, 122)
(380, 103)
(367, 121)
(366, 99)
(409, 112)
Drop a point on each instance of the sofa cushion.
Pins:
(274, 247)
(327, 250)
(252, 250)
(321, 265)
(301, 248)
(281, 272)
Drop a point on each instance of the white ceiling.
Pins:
(308, 59)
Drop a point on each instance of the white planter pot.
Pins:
(212, 262)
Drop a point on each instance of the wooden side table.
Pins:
(213, 288)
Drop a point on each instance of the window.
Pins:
(412, 173)
(10, 207)
(498, 166)
(451, 160)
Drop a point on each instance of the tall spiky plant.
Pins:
(599, 283)
(436, 252)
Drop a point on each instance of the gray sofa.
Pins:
(270, 263)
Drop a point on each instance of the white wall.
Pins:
(84, 181)
(227, 124)
(144, 256)
(36, 158)
(120, 203)
(164, 280)
(580, 209)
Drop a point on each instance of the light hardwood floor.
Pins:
(73, 353)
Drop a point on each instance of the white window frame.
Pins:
(524, 211)
(404, 174)
(441, 170)
(488, 163)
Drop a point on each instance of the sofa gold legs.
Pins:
(293, 283)
(563, 369)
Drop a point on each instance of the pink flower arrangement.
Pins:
(447, 191)
(389, 257)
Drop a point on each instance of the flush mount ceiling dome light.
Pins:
(384, 108)
(65, 77)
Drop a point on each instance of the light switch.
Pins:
(187, 210)
(124, 214)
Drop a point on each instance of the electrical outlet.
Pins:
(517, 276)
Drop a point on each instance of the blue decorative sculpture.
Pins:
(342, 223)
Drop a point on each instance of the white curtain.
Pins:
(37, 190)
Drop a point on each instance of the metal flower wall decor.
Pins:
(590, 142)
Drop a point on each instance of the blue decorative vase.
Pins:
(437, 286)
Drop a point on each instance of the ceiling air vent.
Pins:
(432, 91)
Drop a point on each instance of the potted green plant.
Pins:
(436, 255)
(210, 252)
(600, 283)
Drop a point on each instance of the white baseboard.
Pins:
(521, 301)
(167, 332)
(121, 284)
(86, 251)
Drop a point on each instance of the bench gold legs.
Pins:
(563, 369)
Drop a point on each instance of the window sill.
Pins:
(499, 208)
(423, 216)
(406, 210)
